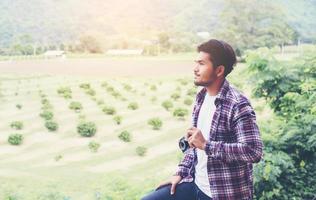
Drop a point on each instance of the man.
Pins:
(224, 139)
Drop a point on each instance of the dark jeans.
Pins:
(184, 191)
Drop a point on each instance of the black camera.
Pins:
(183, 144)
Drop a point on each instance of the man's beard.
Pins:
(205, 83)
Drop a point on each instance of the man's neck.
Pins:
(213, 89)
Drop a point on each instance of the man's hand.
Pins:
(173, 181)
(195, 138)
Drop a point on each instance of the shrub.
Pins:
(44, 101)
(87, 129)
(15, 139)
(125, 136)
(51, 125)
(180, 112)
(58, 157)
(191, 92)
(156, 123)
(188, 101)
(127, 87)
(118, 119)
(94, 146)
(76, 106)
(153, 87)
(18, 125)
(65, 92)
(109, 110)
(85, 85)
(133, 105)
(47, 115)
(175, 96)
(153, 99)
(90, 92)
(100, 102)
(18, 106)
(167, 104)
(141, 150)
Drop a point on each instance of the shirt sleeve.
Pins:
(248, 148)
(186, 163)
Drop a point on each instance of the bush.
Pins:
(133, 105)
(47, 115)
(188, 101)
(175, 96)
(58, 157)
(141, 150)
(153, 99)
(65, 92)
(180, 112)
(51, 125)
(94, 146)
(125, 136)
(90, 92)
(18, 106)
(76, 106)
(85, 86)
(15, 139)
(87, 129)
(191, 92)
(156, 123)
(153, 87)
(18, 125)
(117, 119)
(167, 104)
(109, 110)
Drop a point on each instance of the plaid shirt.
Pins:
(233, 145)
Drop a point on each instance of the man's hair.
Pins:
(220, 53)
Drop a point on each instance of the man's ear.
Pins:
(220, 70)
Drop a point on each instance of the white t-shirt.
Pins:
(204, 124)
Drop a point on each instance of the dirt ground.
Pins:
(99, 67)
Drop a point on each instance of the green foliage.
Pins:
(167, 104)
(47, 114)
(117, 119)
(188, 101)
(18, 106)
(85, 86)
(125, 136)
(290, 90)
(58, 157)
(51, 125)
(94, 146)
(141, 150)
(76, 106)
(65, 92)
(175, 96)
(87, 129)
(180, 112)
(109, 110)
(155, 122)
(18, 125)
(133, 105)
(15, 139)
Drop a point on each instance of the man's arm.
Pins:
(186, 163)
(248, 147)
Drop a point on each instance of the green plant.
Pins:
(47, 115)
(133, 105)
(125, 136)
(76, 106)
(18, 125)
(85, 85)
(155, 122)
(180, 112)
(141, 150)
(18, 106)
(65, 92)
(58, 157)
(94, 146)
(51, 125)
(175, 96)
(87, 129)
(109, 110)
(167, 104)
(90, 92)
(188, 101)
(118, 119)
(15, 139)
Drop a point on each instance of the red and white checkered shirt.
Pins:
(234, 143)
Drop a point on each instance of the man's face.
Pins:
(204, 71)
